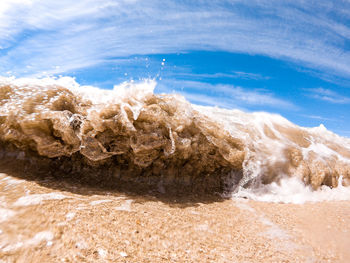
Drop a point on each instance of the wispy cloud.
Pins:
(204, 99)
(219, 75)
(320, 118)
(249, 75)
(75, 34)
(227, 96)
(328, 95)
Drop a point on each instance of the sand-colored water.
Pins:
(46, 220)
(130, 132)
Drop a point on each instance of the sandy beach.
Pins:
(50, 220)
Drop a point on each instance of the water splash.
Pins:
(130, 132)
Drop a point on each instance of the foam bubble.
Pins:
(126, 206)
(44, 236)
(36, 199)
(5, 214)
(292, 190)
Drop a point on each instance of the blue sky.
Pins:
(286, 57)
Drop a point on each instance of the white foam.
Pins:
(97, 202)
(70, 216)
(292, 190)
(36, 199)
(273, 231)
(5, 214)
(263, 152)
(11, 181)
(81, 245)
(126, 206)
(102, 252)
(35, 241)
(202, 227)
(39, 237)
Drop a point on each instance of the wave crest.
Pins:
(131, 132)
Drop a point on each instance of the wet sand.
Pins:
(50, 220)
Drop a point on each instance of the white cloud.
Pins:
(232, 75)
(328, 95)
(6, 5)
(320, 118)
(203, 99)
(76, 34)
(227, 96)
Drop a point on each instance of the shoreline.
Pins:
(48, 220)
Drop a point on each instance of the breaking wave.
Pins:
(131, 134)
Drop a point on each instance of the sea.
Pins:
(130, 134)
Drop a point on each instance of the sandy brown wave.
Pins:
(156, 139)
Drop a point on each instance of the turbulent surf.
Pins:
(131, 134)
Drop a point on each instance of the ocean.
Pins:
(161, 140)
